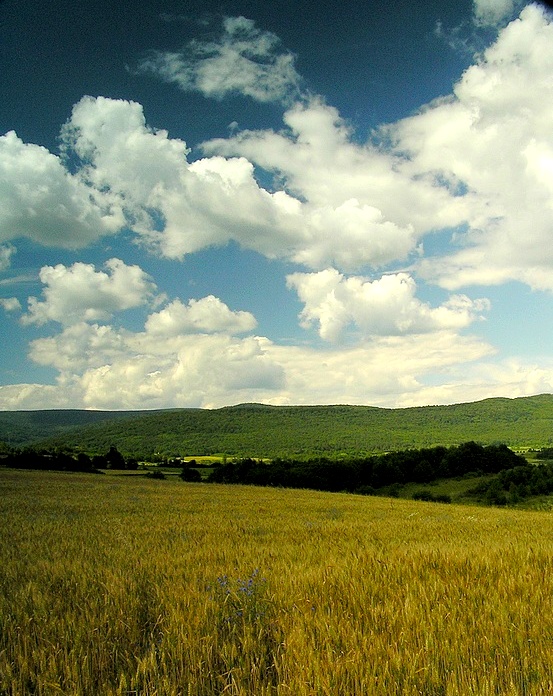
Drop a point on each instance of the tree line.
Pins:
(515, 484)
(372, 474)
(513, 478)
(29, 458)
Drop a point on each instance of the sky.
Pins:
(213, 202)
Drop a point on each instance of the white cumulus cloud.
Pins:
(358, 207)
(216, 370)
(181, 207)
(479, 160)
(492, 12)
(382, 307)
(41, 200)
(195, 371)
(494, 138)
(15, 397)
(6, 252)
(104, 367)
(79, 292)
(10, 304)
(79, 347)
(207, 314)
(245, 60)
(114, 368)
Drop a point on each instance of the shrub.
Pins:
(155, 474)
(428, 496)
(366, 490)
(190, 475)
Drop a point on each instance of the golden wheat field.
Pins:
(123, 585)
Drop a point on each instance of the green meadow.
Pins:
(114, 585)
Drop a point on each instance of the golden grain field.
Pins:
(112, 585)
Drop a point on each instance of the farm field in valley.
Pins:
(124, 585)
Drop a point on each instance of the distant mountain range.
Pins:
(269, 431)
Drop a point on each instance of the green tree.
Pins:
(190, 474)
(114, 459)
(495, 495)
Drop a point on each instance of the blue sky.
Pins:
(208, 203)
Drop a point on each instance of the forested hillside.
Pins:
(25, 427)
(299, 431)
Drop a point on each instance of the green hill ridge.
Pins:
(259, 430)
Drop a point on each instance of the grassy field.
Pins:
(113, 585)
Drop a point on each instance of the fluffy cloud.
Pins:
(42, 201)
(245, 61)
(6, 252)
(10, 304)
(208, 315)
(79, 347)
(119, 153)
(386, 371)
(216, 199)
(145, 182)
(492, 12)
(342, 205)
(185, 354)
(358, 207)
(14, 397)
(220, 201)
(101, 367)
(114, 368)
(196, 371)
(177, 206)
(79, 292)
(480, 159)
(494, 137)
(383, 307)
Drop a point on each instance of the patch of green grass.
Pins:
(456, 488)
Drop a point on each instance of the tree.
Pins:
(190, 474)
(132, 464)
(495, 495)
(84, 462)
(114, 459)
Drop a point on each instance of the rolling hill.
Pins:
(20, 428)
(300, 431)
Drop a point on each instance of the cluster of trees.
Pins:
(513, 477)
(51, 461)
(114, 460)
(513, 485)
(30, 458)
(374, 474)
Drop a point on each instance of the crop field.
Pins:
(132, 586)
